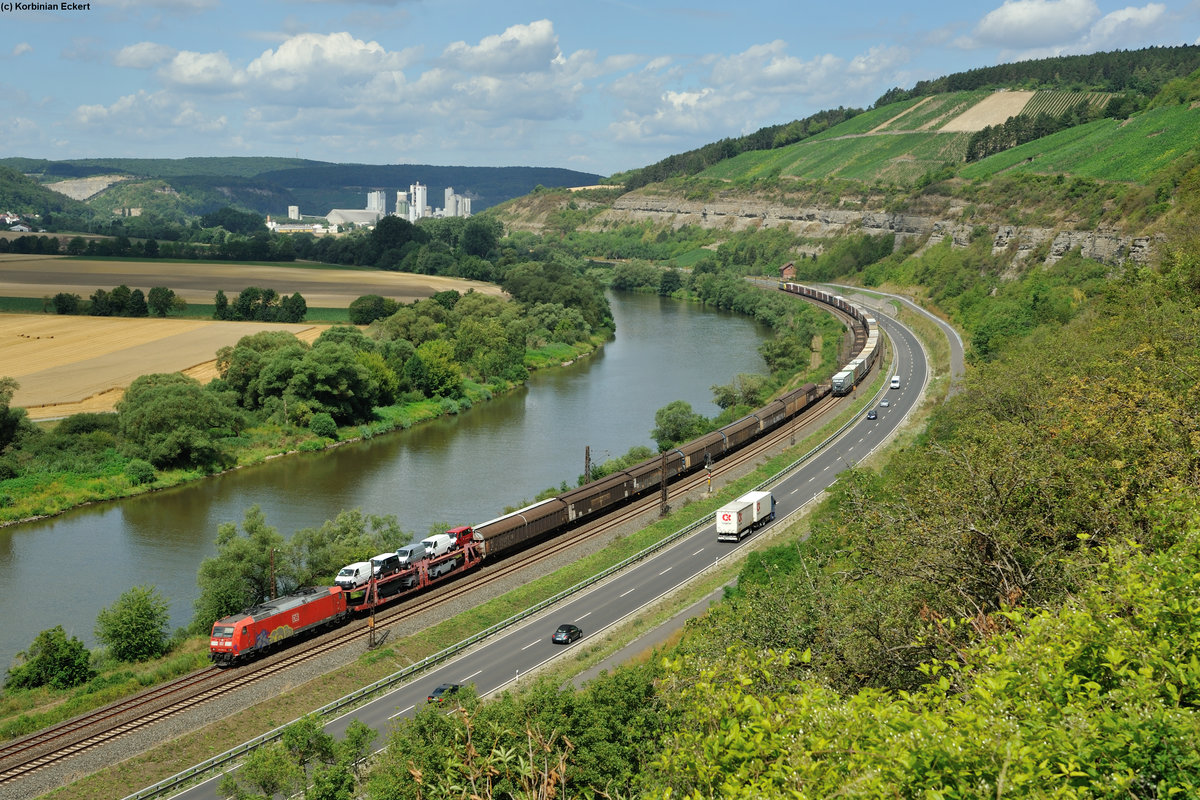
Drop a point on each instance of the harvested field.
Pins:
(71, 364)
(992, 110)
(66, 365)
(41, 276)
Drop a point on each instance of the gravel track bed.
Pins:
(142, 741)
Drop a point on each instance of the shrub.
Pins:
(322, 424)
(135, 627)
(52, 660)
(139, 472)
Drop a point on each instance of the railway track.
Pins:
(23, 757)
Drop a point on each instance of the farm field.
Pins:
(71, 364)
(333, 287)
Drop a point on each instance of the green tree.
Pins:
(159, 301)
(172, 421)
(674, 423)
(330, 378)
(136, 306)
(370, 307)
(135, 628)
(14, 424)
(221, 305)
(670, 281)
(314, 555)
(241, 574)
(433, 371)
(52, 660)
(234, 221)
(268, 771)
(306, 741)
(481, 236)
(66, 303)
(293, 308)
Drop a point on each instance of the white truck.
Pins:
(751, 510)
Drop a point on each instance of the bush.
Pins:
(52, 660)
(139, 472)
(135, 627)
(78, 424)
(322, 424)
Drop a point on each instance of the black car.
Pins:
(566, 634)
(872, 415)
(440, 694)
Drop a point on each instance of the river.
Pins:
(457, 471)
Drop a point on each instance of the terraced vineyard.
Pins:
(1053, 103)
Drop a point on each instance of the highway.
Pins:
(502, 660)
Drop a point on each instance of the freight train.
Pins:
(242, 636)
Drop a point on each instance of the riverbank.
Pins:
(41, 496)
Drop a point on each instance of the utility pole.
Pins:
(372, 598)
(662, 480)
(587, 463)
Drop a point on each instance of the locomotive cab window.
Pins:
(222, 631)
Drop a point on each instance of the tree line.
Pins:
(120, 301)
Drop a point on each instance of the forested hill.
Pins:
(195, 186)
(1136, 75)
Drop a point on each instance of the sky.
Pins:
(598, 86)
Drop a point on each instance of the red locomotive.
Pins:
(259, 629)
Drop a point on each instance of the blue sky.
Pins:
(599, 86)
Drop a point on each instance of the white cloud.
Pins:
(200, 71)
(1025, 24)
(324, 60)
(521, 48)
(1121, 27)
(21, 49)
(143, 55)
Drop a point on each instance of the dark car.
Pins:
(440, 694)
(871, 414)
(566, 634)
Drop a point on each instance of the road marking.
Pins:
(665, 571)
(627, 591)
(698, 552)
(585, 616)
(405, 711)
(472, 675)
(531, 644)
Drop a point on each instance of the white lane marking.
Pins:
(472, 675)
(665, 571)
(698, 552)
(585, 616)
(627, 591)
(405, 711)
(531, 644)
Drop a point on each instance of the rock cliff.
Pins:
(819, 222)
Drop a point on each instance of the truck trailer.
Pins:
(750, 511)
